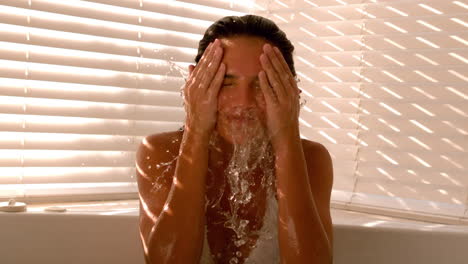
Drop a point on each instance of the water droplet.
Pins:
(149, 167)
(239, 254)
(234, 260)
(147, 157)
(244, 222)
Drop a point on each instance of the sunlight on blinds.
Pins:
(386, 89)
(82, 82)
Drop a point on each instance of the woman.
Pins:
(237, 184)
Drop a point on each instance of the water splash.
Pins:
(252, 157)
(173, 68)
(165, 178)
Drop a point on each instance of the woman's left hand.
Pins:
(281, 95)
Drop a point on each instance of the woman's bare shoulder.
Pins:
(163, 138)
(319, 162)
(312, 147)
(154, 169)
(160, 144)
(155, 161)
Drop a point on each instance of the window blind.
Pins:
(386, 85)
(82, 82)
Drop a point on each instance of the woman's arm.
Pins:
(178, 233)
(302, 234)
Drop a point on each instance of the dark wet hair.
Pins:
(248, 25)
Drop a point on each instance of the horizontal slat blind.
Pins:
(329, 69)
(82, 82)
(386, 84)
(417, 161)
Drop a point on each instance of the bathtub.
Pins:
(107, 232)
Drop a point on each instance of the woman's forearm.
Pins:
(177, 236)
(302, 236)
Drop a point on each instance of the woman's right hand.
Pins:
(201, 90)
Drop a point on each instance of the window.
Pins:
(82, 82)
(386, 85)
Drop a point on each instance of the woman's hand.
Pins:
(281, 95)
(202, 88)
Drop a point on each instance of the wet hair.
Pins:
(248, 25)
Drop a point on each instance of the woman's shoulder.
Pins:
(160, 144)
(313, 147)
(163, 137)
(316, 154)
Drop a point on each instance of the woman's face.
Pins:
(241, 105)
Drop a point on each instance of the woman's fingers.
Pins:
(212, 67)
(272, 76)
(285, 66)
(215, 85)
(204, 72)
(202, 65)
(208, 66)
(284, 74)
(281, 59)
(190, 68)
(268, 93)
(186, 90)
(202, 59)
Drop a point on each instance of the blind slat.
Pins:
(50, 190)
(58, 22)
(54, 107)
(56, 141)
(73, 125)
(414, 140)
(70, 175)
(82, 42)
(64, 158)
(89, 93)
(421, 175)
(66, 74)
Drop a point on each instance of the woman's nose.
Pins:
(245, 96)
